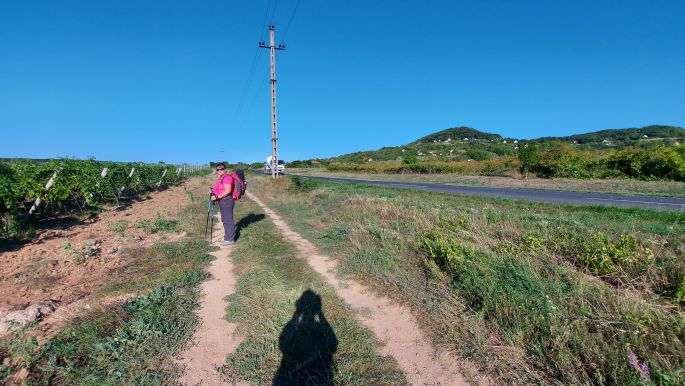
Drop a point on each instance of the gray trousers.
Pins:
(226, 209)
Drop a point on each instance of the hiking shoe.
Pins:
(224, 243)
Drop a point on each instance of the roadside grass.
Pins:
(130, 341)
(296, 330)
(533, 293)
(617, 186)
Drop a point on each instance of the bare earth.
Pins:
(392, 324)
(63, 268)
(215, 339)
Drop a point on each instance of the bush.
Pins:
(410, 160)
(603, 257)
(302, 184)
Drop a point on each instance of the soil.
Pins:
(392, 324)
(215, 338)
(64, 267)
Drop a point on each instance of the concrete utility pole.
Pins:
(274, 125)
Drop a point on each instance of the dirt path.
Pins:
(392, 324)
(215, 339)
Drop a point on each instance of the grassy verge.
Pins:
(534, 293)
(131, 341)
(296, 330)
(619, 186)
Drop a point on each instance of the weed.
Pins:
(303, 184)
(159, 224)
(604, 257)
(445, 251)
(119, 227)
(80, 255)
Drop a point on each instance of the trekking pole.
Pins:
(211, 229)
(209, 209)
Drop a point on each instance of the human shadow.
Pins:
(308, 344)
(246, 221)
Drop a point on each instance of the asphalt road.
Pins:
(541, 195)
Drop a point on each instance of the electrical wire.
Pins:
(252, 69)
(290, 21)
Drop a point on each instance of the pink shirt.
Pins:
(219, 185)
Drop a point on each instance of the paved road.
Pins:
(542, 195)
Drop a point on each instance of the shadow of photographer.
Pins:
(246, 221)
(308, 344)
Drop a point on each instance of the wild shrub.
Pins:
(447, 253)
(302, 184)
(604, 257)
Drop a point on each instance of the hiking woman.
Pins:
(223, 196)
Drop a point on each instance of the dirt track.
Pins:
(392, 324)
(214, 339)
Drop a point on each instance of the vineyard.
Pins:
(60, 186)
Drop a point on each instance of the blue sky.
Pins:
(164, 80)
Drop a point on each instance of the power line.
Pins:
(258, 93)
(292, 16)
(253, 67)
(274, 12)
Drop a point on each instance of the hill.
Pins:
(457, 133)
(465, 143)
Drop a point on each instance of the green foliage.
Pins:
(528, 156)
(651, 152)
(604, 257)
(458, 133)
(478, 154)
(410, 160)
(445, 251)
(303, 184)
(77, 184)
(625, 135)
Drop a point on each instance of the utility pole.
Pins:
(274, 122)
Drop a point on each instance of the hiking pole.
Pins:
(211, 229)
(209, 209)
